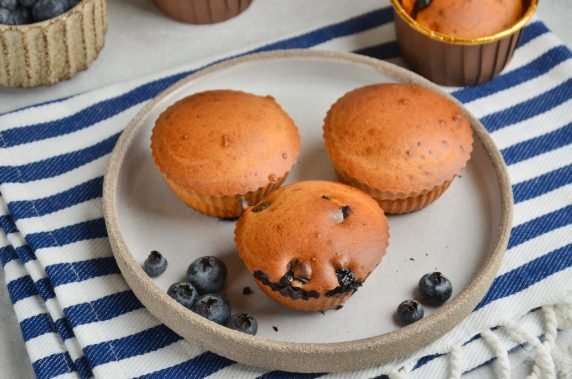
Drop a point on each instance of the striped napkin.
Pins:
(79, 318)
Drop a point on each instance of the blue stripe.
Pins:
(530, 108)
(199, 367)
(83, 192)
(83, 368)
(106, 308)
(45, 289)
(64, 329)
(51, 167)
(21, 288)
(7, 225)
(528, 274)
(25, 253)
(288, 375)
(36, 326)
(69, 234)
(426, 359)
(542, 184)
(63, 273)
(131, 346)
(534, 69)
(53, 365)
(111, 107)
(539, 145)
(7, 254)
(532, 31)
(388, 50)
(539, 226)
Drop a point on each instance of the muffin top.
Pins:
(322, 237)
(225, 142)
(469, 18)
(401, 139)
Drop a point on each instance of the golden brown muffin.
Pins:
(400, 143)
(311, 244)
(466, 18)
(221, 150)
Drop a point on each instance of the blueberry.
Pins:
(6, 17)
(213, 307)
(27, 3)
(21, 16)
(419, 6)
(155, 264)
(243, 323)
(46, 9)
(207, 274)
(435, 289)
(71, 3)
(409, 311)
(184, 293)
(9, 4)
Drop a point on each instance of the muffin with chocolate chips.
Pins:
(400, 143)
(222, 150)
(311, 245)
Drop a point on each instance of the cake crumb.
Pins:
(411, 259)
(275, 328)
(322, 312)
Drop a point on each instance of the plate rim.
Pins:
(298, 356)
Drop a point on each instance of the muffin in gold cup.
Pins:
(435, 45)
(202, 11)
(50, 51)
(223, 150)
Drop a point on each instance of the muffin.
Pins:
(202, 11)
(465, 18)
(311, 245)
(460, 42)
(400, 143)
(222, 150)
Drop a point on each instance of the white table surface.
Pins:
(140, 41)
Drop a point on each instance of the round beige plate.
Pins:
(463, 234)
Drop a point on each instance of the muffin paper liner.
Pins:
(393, 203)
(223, 206)
(47, 52)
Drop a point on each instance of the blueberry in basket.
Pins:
(435, 289)
(213, 307)
(207, 274)
(243, 323)
(155, 264)
(184, 293)
(21, 12)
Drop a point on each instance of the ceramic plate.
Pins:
(463, 234)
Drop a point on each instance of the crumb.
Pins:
(426, 254)
(247, 291)
(411, 259)
(275, 328)
(322, 312)
(339, 307)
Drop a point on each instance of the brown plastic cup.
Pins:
(202, 11)
(456, 61)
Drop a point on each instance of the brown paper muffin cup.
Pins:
(47, 52)
(454, 61)
(223, 206)
(397, 203)
(202, 11)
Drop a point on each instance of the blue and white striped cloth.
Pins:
(77, 314)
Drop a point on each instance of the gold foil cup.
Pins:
(392, 203)
(202, 11)
(223, 206)
(455, 61)
(47, 52)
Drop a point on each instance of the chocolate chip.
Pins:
(261, 206)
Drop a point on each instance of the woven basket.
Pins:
(47, 52)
